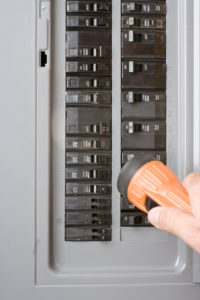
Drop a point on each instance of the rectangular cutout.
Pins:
(43, 59)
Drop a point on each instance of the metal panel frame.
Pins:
(24, 251)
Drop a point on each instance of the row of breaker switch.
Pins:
(143, 98)
(135, 43)
(89, 158)
(135, 74)
(135, 104)
(105, 22)
(140, 140)
(88, 121)
(92, 233)
(102, 218)
(145, 7)
(136, 134)
(98, 121)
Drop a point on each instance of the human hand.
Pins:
(177, 222)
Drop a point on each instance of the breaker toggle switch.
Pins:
(87, 189)
(98, 128)
(86, 6)
(133, 37)
(137, 155)
(100, 51)
(88, 43)
(88, 22)
(88, 203)
(97, 174)
(131, 7)
(134, 67)
(80, 67)
(147, 97)
(85, 143)
(85, 97)
(142, 22)
(74, 158)
(143, 44)
(98, 159)
(85, 173)
(132, 127)
(132, 98)
(136, 74)
(102, 218)
(134, 219)
(150, 135)
(144, 37)
(87, 234)
(144, 8)
(88, 82)
(77, 119)
(98, 189)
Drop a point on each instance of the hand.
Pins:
(175, 221)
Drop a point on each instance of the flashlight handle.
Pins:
(156, 181)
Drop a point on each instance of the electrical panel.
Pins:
(88, 99)
(103, 82)
(88, 172)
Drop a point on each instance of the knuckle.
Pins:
(192, 180)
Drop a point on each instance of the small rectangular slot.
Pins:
(43, 58)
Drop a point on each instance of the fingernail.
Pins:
(153, 216)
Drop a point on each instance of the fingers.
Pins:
(175, 221)
(192, 185)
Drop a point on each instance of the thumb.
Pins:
(177, 222)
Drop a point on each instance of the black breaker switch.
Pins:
(88, 7)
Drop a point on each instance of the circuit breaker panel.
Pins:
(95, 74)
(143, 94)
(88, 120)
(88, 161)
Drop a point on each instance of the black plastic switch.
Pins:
(143, 22)
(142, 74)
(88, 234)
(146, 7)
(89, 158)
(143, 44)
(88, 218)
(88, 7)
(88, 22)
(88, 202)
(143, 104)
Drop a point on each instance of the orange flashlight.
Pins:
(140, 179)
